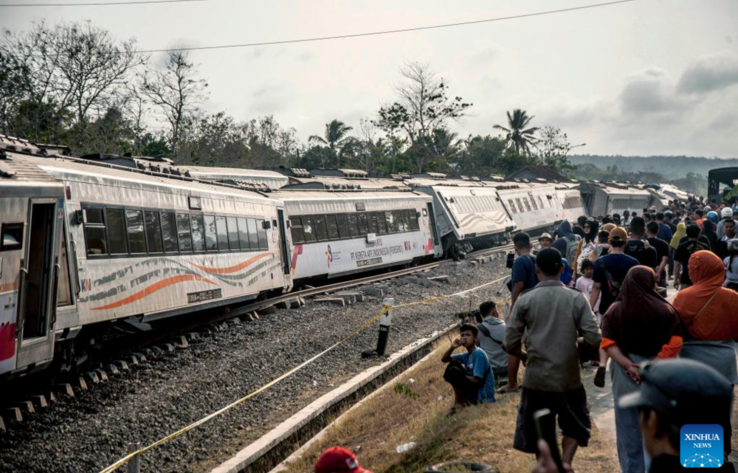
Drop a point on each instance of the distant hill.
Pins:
(671, 167)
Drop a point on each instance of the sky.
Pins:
(651, 77)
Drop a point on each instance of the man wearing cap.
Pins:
(523, 278)
(609, 273)
(673, 393)
(338, 460)
(552, 312)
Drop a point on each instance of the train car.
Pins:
(609, 198)
(469, 215)
(120, 243)
(340, 233)
(571, 201)
(535, 208)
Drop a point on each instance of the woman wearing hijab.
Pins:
(708, 312)
(680, 233)
(587, 244)
(708, 230)
(639, 326)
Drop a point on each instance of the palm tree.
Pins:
(517, 135)
(335, 136)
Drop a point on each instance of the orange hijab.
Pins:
(708, 309)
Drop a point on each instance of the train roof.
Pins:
(341, 183)
(299, 194)
(269, 179)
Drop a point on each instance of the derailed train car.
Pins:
(86, 244)
(610, 198)
(339, 233)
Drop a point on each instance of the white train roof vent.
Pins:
(299, 172)
(354, 173)
(436, 175)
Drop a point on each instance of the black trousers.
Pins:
(456, 376)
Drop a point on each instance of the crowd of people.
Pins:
(593, 293)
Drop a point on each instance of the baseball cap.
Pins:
(688, 391)
(618, 233)
(726, 212)
(544, 236)
(338, 459)
(521, 239)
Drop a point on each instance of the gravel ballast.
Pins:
(88, 432)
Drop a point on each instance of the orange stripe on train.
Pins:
(230, 269)
(153, 288)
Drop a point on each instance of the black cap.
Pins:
(521, 239)
(688, 391)
(549, 260)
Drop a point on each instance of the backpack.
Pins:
(571, 249)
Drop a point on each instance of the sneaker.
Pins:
(600, 377)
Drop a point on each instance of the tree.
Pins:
(481, 156)
(72, 71)
(553, 148)
(423, 107)
(177, 92)
(335, 135)
(517, 135)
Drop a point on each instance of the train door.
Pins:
(39, 275)
(283, 246)
(432, 220)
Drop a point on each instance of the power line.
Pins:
(385, 32)
(95, 4)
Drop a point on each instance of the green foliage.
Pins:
(518, 135)
(405, 390)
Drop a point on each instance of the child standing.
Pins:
(585, 283)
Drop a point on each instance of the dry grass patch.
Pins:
(417, 411)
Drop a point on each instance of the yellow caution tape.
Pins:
(287, 374)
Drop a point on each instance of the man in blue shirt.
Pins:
(523, 278)
(665, 232)
(469, 373)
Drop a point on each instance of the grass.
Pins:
(415, 409)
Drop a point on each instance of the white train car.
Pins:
(571, 201)
(610, 198)
(469, 214)
(535, 208)
(131, 244)
(336, 234)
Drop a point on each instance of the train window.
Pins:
(363, 223)
(263, 241)
(253, 236)
(183, 232)
(220, 227)
(169, 231)
(97, 242)
(381, 223)
(400, 220)
(308, 226)
(372, 221)
(198, 232)
(332, 227)
(153, 231)
(298, 236)
(343, 227)
(211, 235)
(64, 288)
(540, 201)
(533, 202)
(136, 236)
(12, 236)
(527, 204)
(412, 217)
(391, 222)
(243, 233)
(233, 233)
(353, 225)
(116, 224)
(321, 228)
(511, 203)
(520, 205)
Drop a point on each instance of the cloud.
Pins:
(710, 73)
(648, 91)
